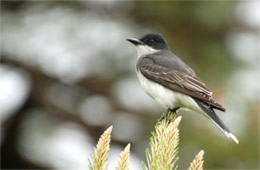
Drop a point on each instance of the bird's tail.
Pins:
(213, 116)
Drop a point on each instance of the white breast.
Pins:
(166, 97)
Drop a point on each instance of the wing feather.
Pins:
(179, 81)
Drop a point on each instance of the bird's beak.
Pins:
(135, 41)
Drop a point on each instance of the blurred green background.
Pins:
(67, 73)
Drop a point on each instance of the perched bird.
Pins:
(171, 82)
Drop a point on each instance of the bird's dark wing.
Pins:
(179, 81)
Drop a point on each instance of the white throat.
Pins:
(144, 50)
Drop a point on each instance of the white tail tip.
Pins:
(228, 134)
(233, 137)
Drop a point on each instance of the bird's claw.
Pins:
(170, 115)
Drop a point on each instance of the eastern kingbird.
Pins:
(171, 82)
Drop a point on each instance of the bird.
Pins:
(171, 82)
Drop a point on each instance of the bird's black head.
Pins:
(156, 41)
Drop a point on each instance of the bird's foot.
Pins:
(170, 115)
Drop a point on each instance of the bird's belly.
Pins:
(166, 97)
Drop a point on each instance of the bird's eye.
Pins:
(151, 41)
